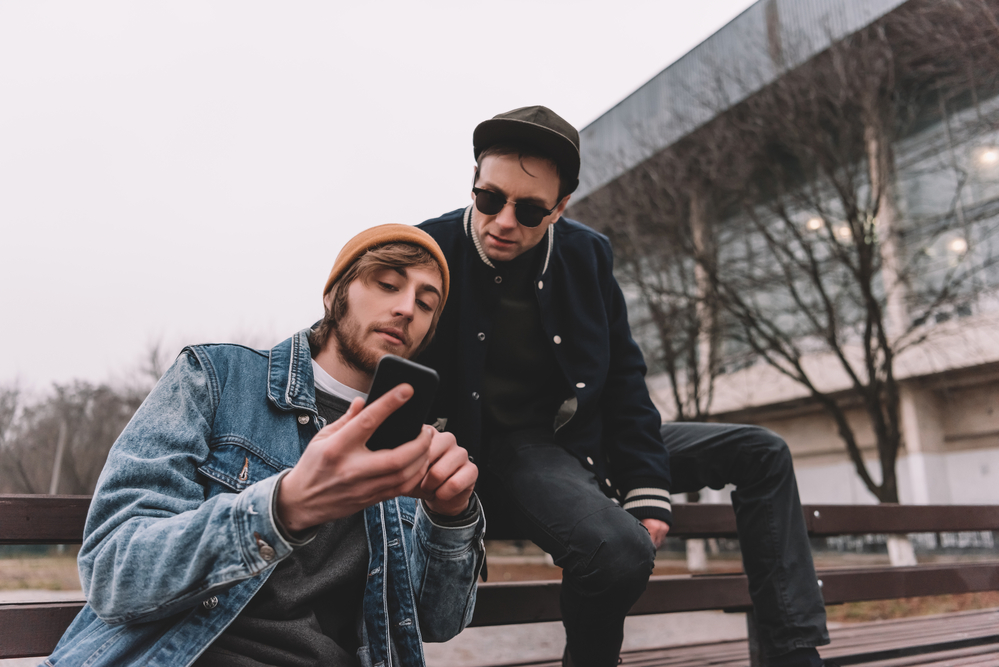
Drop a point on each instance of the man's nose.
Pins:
(507, 217)
(405, 305)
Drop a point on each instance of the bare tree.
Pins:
(58, 442)
(11, 465)
(661, 222)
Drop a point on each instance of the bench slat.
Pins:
(853, 585)
(697, 520)
(860, 519)
(28, 519)
(512, 603)
(33, 629)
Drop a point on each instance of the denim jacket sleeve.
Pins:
(153, 544)
(445, 566)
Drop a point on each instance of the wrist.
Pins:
(449, 509)
(287, 510)
(466, 515)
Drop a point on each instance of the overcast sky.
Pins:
(186, 171)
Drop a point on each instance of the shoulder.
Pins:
(449, 232)
(577, 243)
(226, 352)
(221, 358)
(444, 227)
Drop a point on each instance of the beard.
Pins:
(350, 347)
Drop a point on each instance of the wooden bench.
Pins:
(32, 629)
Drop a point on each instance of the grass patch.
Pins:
(52, 573)
(880, 610)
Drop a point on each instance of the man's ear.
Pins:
(557, 213)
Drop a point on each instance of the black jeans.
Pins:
(607, 556)
(773, 538)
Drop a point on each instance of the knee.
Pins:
(621, 556)
(766, 454)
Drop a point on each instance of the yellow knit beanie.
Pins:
(382, 235)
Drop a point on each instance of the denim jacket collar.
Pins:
(290, 382)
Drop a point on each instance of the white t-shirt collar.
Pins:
(327, 383)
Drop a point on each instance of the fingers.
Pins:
(352, 430)
(403, 466)
(364, 423)
(451, 478)
(657, 530)
(446, 459)
(355, 407)
(460, 483)
(411, 460)
(338, 475)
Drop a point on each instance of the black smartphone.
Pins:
(405, 423)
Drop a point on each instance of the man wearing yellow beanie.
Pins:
(240, 520)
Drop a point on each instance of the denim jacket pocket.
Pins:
(234, 465)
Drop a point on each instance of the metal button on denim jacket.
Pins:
(181, 533)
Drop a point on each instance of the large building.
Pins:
(812, 123)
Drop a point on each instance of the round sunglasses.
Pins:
(491, 203)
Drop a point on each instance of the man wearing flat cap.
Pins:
(240, 519)
(543, 383)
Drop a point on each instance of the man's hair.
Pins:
(523, 151)
(388, 256)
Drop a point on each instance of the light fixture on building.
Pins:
(989, 156)
(958, 245)
(814, 224)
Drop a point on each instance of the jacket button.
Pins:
(475, 395)
(541, 284)
(303, 419)
(498, 279)
(482, 336)
(589, 460)
(267, 552)
(210, 603)
(608, 482)
(557, 339)
(580, 385)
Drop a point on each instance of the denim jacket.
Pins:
(181, 532)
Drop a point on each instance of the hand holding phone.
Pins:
(338, 475)
(405, 423)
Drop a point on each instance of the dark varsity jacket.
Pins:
(607, 420)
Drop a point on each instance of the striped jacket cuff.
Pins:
(649, 502)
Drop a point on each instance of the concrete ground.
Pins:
(545, 641)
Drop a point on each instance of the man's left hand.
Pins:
(448, 484)
(657, 530)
